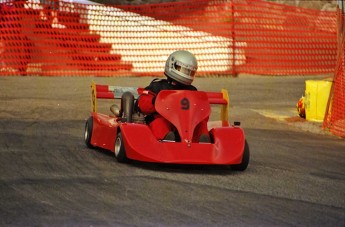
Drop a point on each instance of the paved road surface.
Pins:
(48, 177)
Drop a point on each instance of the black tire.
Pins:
(120, 152)
(88, 132)
(245, 159)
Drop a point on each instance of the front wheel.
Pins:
(88, 132)
(245, 159)
(120, 152)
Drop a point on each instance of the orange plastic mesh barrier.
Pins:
(227, 37)
(335, 116)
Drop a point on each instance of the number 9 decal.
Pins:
(184, 104)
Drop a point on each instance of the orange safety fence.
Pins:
(228, 37)
(335, 113)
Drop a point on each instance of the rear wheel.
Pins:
(88, 132)
(120, 152)
(245, 159)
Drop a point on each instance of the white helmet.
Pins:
(181, 66)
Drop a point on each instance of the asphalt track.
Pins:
(296, 176)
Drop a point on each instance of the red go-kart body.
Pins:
(185, 110)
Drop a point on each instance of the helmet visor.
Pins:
(185, 69)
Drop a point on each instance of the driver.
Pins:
(180, 69)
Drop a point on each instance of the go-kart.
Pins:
(126, 134)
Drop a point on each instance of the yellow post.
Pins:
(93, 97)
(224, 113)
